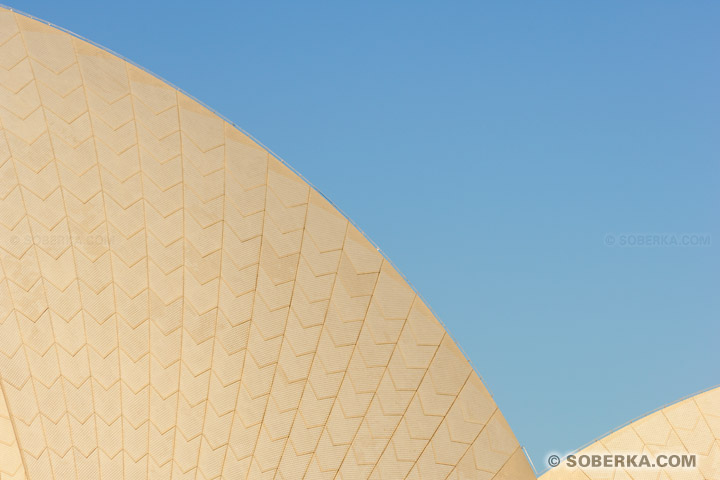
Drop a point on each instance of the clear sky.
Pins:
(493, 150)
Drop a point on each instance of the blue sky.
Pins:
(490, 149)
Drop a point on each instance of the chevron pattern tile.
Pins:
(690, 426)
(176, 303)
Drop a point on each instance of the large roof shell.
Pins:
(176, 302)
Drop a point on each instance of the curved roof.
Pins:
(175, 302)
(690, 426)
